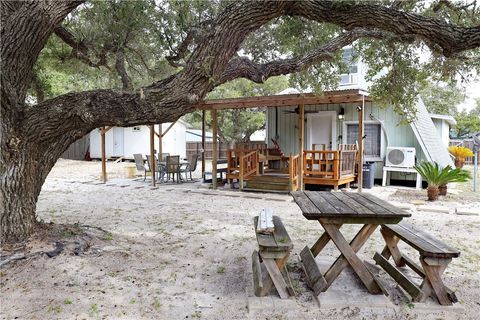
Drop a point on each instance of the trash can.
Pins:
(368, 174)
(130, 171)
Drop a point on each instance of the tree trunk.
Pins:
(32, 138)
(20, 189)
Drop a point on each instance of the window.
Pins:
(351, 77)
(136, 129)
(372, 141)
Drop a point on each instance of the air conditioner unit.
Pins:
(400, 157)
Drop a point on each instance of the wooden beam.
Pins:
(104, 164)
(360, 146)
(214, 148)
(152, 154)
(105, 129)
(203, 143)
(168, 129)
(160, 143)
(408, 285)
(343, 96)
(301, 135)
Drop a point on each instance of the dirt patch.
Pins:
(171, 254)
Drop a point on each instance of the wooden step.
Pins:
(267, 185)
(270, 178)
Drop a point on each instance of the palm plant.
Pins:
(449, 174)
(431, 172)
(438, 177)
(460, 153)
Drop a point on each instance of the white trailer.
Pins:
(124, 142)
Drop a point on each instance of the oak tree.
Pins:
(34, 135)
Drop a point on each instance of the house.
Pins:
(124, 142)
(323, 145)
(443, 124)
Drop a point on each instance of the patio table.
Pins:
(332, 210)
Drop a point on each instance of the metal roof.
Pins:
(328, 97)
(427, 136)
(450, 120)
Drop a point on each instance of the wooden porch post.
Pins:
(104, 165)
(152, 154)
(160, 146)
(360, 145)
(301, 134)
(203, 144)
(214, 148)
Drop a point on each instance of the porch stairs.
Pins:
(268, 183)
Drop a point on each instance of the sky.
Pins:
(472, 92)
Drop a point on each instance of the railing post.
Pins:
(336, 165)
(240, 172)
(290, 173)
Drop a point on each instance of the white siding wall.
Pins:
(174, 141)
(397, 135)
(443, 129)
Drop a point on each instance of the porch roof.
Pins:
(328, 97)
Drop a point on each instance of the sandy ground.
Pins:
(183, 252)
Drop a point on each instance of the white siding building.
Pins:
(124, 142)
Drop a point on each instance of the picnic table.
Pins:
(332, 210)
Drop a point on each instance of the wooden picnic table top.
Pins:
(351, 206)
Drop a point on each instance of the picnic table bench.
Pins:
(273, 252)
(332, 210)
(434, 258)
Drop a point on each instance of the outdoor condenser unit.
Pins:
(400, 157)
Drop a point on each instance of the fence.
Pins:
(468, 143)
(196, 148)
(78, 149)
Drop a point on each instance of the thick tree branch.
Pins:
(81, 51)
(451, 38)
(259, 73)
(122, 70)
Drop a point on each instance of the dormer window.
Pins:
(352, 76)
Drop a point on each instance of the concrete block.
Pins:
(467, 212)
(417, 202)
(428, 208)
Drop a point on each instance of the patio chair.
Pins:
(173, 167)
(140, 164)
(163, 157)
(159, 168)
(191, 166)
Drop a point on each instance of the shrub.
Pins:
(460, 152)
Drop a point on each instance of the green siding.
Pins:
(397, 135)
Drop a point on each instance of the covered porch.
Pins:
(262, 167)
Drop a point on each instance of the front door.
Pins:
(321, 129)
(117, 142)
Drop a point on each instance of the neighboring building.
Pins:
(443, 124)
(195, 135)
(124, 142)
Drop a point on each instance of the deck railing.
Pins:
(321, 163)
(242, 164)
(348, 159)
(330, 164)
(293, 172)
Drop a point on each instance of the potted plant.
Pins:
(448, 174)
(460, 153)
(431, 172)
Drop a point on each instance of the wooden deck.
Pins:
(252, 169)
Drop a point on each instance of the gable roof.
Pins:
(427, 137)
(449, 119)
